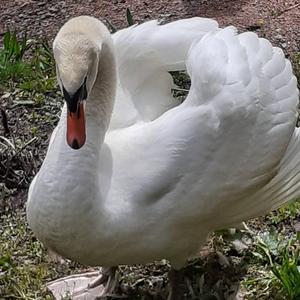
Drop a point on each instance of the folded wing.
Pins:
(145, 55)
(225, 154)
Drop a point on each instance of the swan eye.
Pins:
(73, 99)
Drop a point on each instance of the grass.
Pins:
(274, 273)
(287, 212)
(24, 264)
(287, 270)
(11, 57)
(270, 260)
(26, 64)
(275, 268)
(22, 267)
(129, 19)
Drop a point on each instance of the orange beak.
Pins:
(76, 127)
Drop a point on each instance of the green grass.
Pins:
(25, 266)
(282, 258)
(288, 269)
(275, 269)
(11, 57)
(129, 19)
(15, 70)
(289, 211)
(26, 65)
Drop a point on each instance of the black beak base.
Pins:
(73, 100)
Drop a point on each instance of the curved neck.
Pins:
(100, 102)
(99, 106)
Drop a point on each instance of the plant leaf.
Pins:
(129, 17)
(112, 28)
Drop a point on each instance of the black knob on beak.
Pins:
(73, 99)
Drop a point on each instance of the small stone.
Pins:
(239, 246)
(278, 37)
(223, 260)
(6, 95)
(297, 227)
(232, 231)
(283, 45)
(41, 3)
(53, 9)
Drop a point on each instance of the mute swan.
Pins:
(150, 178)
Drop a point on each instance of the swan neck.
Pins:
(100, 102)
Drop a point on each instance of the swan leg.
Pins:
(175, 282)
(108, 277)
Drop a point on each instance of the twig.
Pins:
(289, 8)
(4, 121)
(9, 160)
(8, 142)
(24, 146)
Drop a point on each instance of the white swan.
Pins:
(155, 179)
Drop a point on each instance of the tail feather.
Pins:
(284, 187)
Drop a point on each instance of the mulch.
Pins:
(277, 20)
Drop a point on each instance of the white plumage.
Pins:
(157, 178)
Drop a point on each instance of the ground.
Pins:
(231, 264)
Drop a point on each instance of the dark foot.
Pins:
(108, 277)
(175, 280)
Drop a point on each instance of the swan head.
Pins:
(76, 58)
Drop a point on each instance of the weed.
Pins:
(11, 57)
(129, 18)
(14, 50)
(43, 60)
(289, 211)
(288, 271)
(282, 258)
(26, 63)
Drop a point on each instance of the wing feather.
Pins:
(227, 153)
(145, 55)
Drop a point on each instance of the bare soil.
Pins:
(277, 20)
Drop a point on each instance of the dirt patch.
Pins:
(277, 20)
